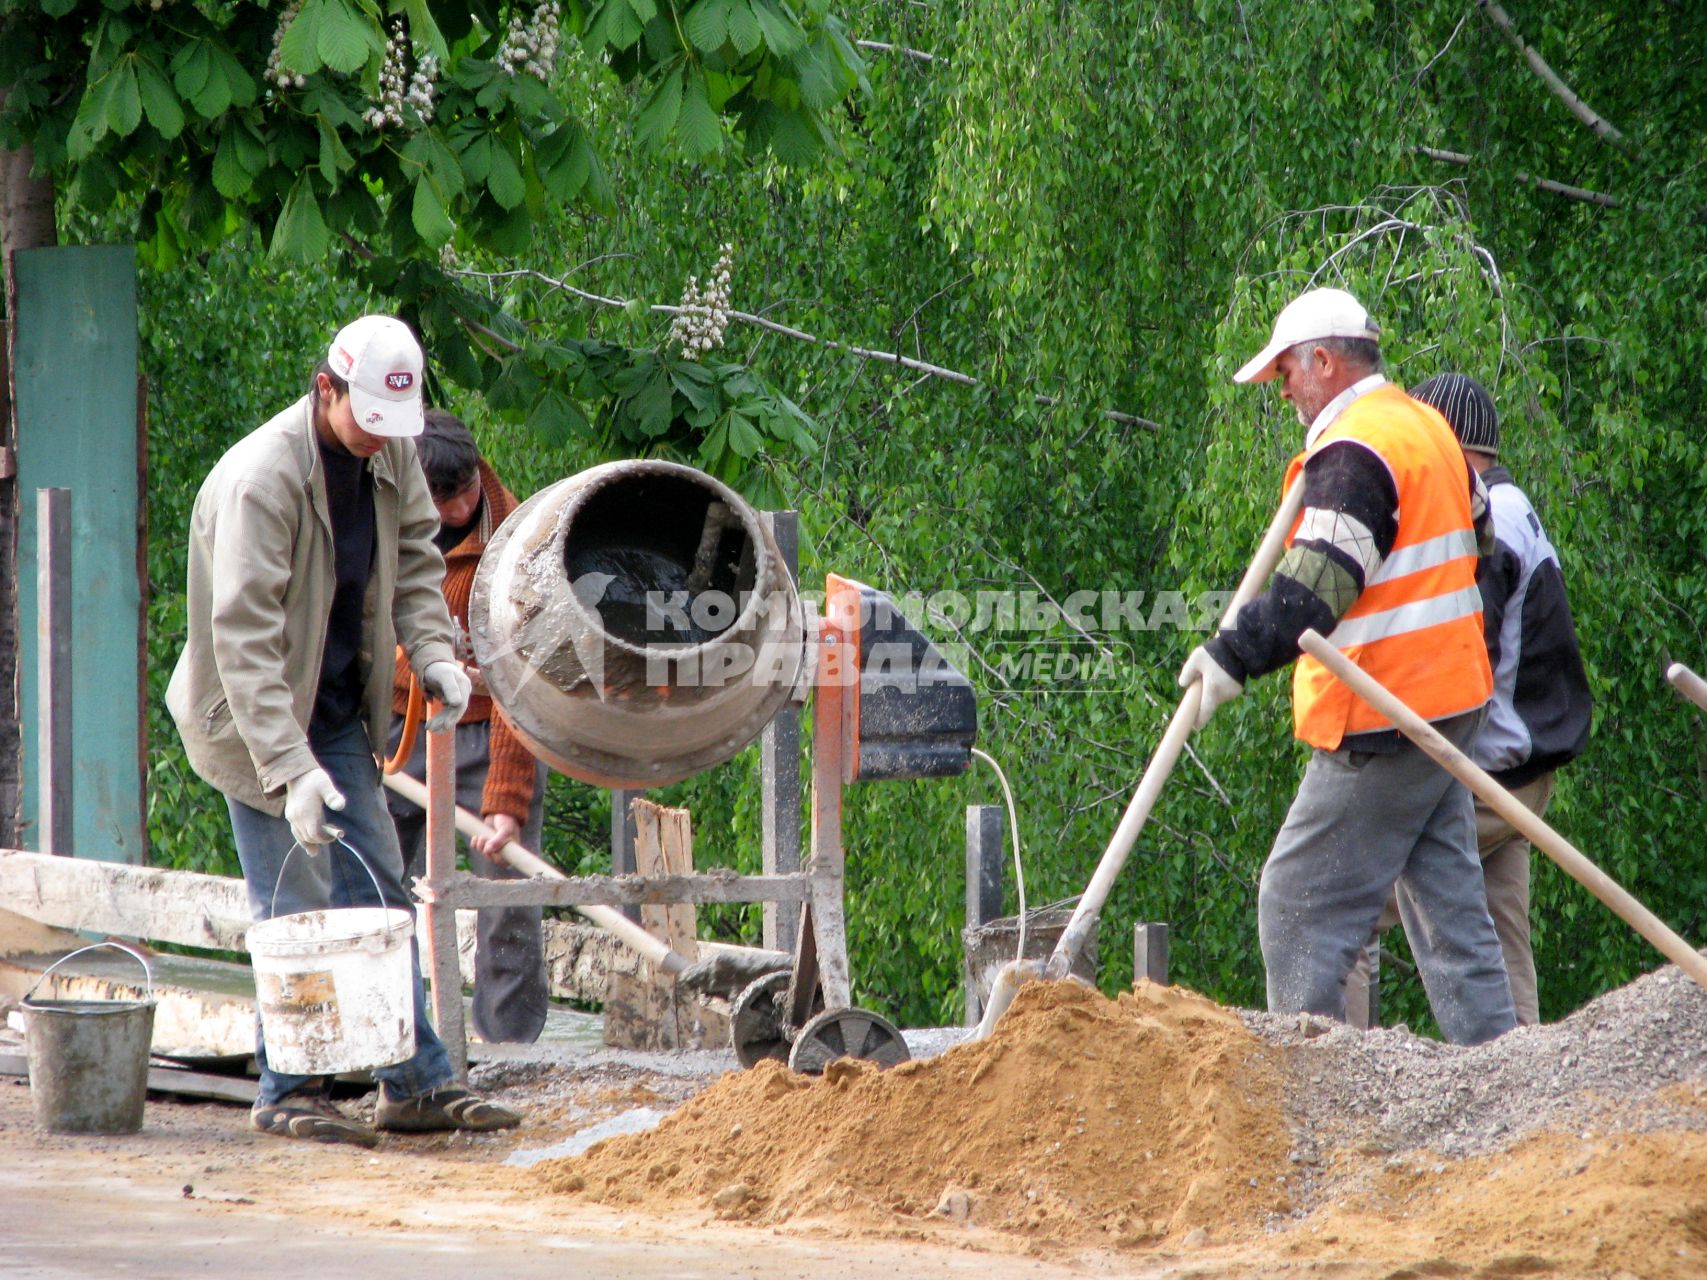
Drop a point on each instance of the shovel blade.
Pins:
(1008, 980)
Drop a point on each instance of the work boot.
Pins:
(449, 1106)
(309, 1114)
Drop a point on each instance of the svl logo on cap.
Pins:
(399, 381)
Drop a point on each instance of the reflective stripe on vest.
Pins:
(1407, 617)
(1417, 625)
(1426, 555)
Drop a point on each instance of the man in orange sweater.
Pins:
(496, 775)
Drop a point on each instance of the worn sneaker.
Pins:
(447, 1107)
(309, 1114)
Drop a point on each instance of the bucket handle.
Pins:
(134, 954)
(291, 853)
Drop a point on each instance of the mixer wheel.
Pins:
(846, 1033)
(756, 1027)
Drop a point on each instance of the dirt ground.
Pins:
(1153, 1136)
(196, 1192)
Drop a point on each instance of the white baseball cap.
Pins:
(1321, 313)
(382, 362)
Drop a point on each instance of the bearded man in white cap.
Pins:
(311, 557)
(1383, 563)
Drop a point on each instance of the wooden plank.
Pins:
(622, 836)
(464, 890)
(184, 907)
(643, 1009)
(440, 920)
(173, 1080)
(1150, 952)
(779, 769)
(984, 823)
(663, 846)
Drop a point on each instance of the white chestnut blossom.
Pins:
(700, 323)
(278, 74)
(397, 90)
(421, 85)
(531, 46)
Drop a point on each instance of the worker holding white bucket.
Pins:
(311, 557)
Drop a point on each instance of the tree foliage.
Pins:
(392, 136)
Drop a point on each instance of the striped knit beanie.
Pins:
(1467, 408)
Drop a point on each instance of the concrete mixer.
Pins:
(636, 624)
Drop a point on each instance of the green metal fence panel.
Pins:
(75, 375)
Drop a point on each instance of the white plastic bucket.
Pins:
(335, 988)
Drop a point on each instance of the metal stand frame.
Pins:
(819, 979)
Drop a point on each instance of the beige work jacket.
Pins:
(261, 580)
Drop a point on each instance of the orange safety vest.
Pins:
(1417, 627)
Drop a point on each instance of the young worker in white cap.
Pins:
(1383, 563)
(310, 557)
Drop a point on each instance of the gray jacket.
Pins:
(261, 581)
(1541, 707)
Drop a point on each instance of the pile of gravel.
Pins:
(1600, 1069)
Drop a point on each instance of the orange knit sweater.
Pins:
(509, 777)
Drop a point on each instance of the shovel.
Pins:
(1011, 976)
(631, 934)
(1568, 857)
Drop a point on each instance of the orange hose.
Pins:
(412, 714)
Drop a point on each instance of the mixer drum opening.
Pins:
(676, 563)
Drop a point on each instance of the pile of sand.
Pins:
(1125, 1121)
(1616, 1207)
(1161, 1121)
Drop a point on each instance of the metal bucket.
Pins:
(990, 946)
(335, 988)
(89, 1058)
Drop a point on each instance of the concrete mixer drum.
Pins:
(636, 624)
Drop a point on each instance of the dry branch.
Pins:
(787, 331)
(1564, 189)
(1601, 127)
(918, 55)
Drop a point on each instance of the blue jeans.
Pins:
(334, 878)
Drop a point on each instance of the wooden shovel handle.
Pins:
(1089, 910)
(1502, 802)
(1688, 684)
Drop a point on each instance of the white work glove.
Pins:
(447, 682)
(306, 800)
(1218, 686)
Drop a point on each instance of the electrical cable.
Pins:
(1013, 830)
